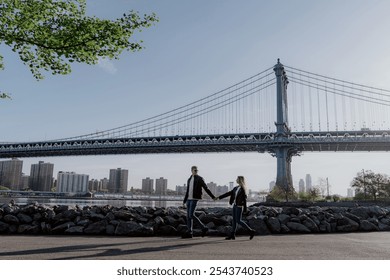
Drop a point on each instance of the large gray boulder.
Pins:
(297, 227)
(345, 224)
(273, 224)
(284, 218)
(361, 212)
(24, 219)
(3, 227)
(368, 226)
(62, 227)
(75, 230)
(10, 219)
(130, 228)
(259, 226)
(96, 227)
(28, 229)
(310, 224)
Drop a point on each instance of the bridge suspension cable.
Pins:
(316, 103)
(340, 105)
(230, 110)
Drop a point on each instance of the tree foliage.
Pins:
(314, 193)
(281, 194)
(49, 35)
(371, 185)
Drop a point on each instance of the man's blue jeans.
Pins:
(191, 206)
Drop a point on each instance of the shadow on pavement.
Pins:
(102, 250)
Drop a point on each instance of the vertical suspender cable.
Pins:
(319, 109)
(310, 107)
(335, 105)
(327, 112)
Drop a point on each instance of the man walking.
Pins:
(193, 194)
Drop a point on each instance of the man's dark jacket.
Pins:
(241, 197)
(198, 185)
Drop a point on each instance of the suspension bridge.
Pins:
(318, 113)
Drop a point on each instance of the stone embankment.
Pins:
(152, 221)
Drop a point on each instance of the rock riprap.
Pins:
(154, 221)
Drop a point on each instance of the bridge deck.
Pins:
(347, 141)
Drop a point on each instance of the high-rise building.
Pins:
(212, 187)
(161, 186)
(93, 185)
(11, 173)
(41, 176)
(309, 185)
(147, 185)
(221, 190)
(271, 186)
(301, 187)
(118, 180)
(70, 182)
(181, 190)
(231, 185)
(103, 185)
(25, 182)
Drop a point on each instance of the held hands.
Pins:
(216, 198)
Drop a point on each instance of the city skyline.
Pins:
(196, 49)
(147, 184)
(11, 176)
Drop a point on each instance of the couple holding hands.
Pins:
(238, 196)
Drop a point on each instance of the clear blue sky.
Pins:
(198, 48)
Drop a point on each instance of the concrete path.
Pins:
(365, 246)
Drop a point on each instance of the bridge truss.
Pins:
(335, 141)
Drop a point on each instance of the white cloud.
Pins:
(107, 65)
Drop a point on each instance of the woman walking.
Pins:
(238, 196)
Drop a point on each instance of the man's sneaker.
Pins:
(204, 231)
(187, 235)
(230, 237)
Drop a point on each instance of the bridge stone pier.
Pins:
(281, 149)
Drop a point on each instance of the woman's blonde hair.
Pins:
(241, 182)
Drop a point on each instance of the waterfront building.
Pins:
(41, 176)
(71, 182)
(11, 173)
(181, 190)
(118, 180)
(231, 185)
(271, 185)
(93, 185)
(103, 185)
(301, 186)
(221, 190)
(309, 185)
(161, 186)
(25, 182)
(213, 188)
(147, 185)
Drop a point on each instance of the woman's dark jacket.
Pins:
(198, 185)
(241, 197)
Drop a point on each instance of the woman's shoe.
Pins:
(252, 233)
(232, 237)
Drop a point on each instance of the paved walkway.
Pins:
(366, 246)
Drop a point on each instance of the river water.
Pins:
(113, 202)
